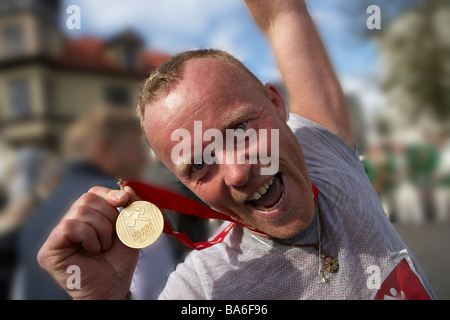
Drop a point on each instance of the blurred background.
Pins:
(56, 72)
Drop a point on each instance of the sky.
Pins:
(172, 26)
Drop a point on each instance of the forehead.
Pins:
(209, 90)
(208, 79)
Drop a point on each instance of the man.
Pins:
(215, 89)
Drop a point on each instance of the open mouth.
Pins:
(269, 196)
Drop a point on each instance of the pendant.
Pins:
(329, 263)
(323, 279)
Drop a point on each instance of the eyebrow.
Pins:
(234, 116)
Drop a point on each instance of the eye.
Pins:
(198, 166)
(241, 126)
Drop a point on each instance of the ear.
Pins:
(277, 100)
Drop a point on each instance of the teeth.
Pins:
(262, 190)
(256, 196)
(274, 207)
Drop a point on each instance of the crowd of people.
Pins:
(412, 179)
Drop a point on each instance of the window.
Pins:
(13, 40)
(19, 94)
(129, 55)
(117, 96)
(49, 97)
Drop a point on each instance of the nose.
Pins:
(236, 175)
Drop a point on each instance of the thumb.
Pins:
(116, 198)
(132, 196)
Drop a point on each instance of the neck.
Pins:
(308, 235)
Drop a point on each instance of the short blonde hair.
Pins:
(168, 73)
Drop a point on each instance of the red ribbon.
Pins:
(165, 199)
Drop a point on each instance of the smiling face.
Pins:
(223, 97)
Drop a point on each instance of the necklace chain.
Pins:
(322, 277)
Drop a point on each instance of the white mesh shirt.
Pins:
(357, 232)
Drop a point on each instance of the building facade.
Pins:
(48, 79)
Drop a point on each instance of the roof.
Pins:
(89, 53)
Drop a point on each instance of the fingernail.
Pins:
(119, 195)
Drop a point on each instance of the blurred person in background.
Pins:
(32, 179)
(100, 147)
(442, 190)
(385, 180)
(422, 160)
(34, 175)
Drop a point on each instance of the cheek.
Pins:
(207, 192)
(211, 193)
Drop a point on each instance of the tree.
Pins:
(416, 61)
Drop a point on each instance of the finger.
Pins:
(95, 202)
(97, 220)
(132, 195)
(116, 198)
(60, 243)
(81, 233)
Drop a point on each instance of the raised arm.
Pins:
(314, 90)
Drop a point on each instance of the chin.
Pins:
(293, 212)
(288, 228)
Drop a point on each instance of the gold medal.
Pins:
(140, 224)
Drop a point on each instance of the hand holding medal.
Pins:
(86, 237)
